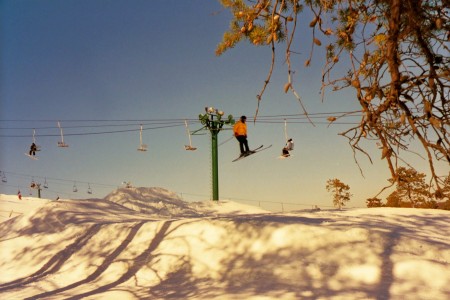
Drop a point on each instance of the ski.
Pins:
(31, 156)
(284, 156)
(256, 150)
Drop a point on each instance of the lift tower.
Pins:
(212, 119)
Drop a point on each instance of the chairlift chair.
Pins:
(38, 148)
(142, 147)
(45, 184)
(61, 143)
(189, 147)
(127, 184)
(3, 177)
(74, 188)
(89, 190)
(289, 143)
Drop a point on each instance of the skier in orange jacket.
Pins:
(240, 132)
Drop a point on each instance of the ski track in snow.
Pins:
(146, 243)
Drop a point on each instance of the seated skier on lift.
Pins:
(240, 132)
(288, 147)
(33, 149)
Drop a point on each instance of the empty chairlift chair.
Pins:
(61, 143)
(142, 147)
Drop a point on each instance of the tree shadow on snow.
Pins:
(305, 257)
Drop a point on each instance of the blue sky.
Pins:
(97, 64)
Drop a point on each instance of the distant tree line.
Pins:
(413, 191)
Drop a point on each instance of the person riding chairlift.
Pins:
(240, 132)
(288, 147)
(33, 149)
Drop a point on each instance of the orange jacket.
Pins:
(240, 128)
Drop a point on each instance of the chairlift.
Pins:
(3, 177)
(189, 147)
(38, 148)
(45, 183)
(289, 143)
(33, 184)
(142, 147)
(74, 188)
(89, 190)
(61, 143)
(127, 184)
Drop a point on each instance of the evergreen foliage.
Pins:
(340, 190)
(394, 55)
(411, 191)
(374, 202)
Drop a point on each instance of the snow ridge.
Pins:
(100, 249)
(152, 200)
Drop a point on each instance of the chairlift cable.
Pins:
(166, 123)
(95, 133)
(68, 181)
(227, 140)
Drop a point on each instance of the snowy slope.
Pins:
(146, 243)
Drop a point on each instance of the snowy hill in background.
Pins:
(146, 243)
(152, 201)
(159, 202)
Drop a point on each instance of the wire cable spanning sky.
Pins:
(103, 68)
(90, 127)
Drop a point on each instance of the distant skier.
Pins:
(240, 132)
(33, 149)
(19, 195)
(288, 147)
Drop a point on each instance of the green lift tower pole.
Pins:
(215, 160)
(38, 187)
(212, 120)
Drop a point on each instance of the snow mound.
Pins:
(99, 249)
(227, 207)
(154, 200)
(160, 202)
(11, 206)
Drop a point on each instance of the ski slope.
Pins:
(146, 243)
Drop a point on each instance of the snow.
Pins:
(146, 243)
